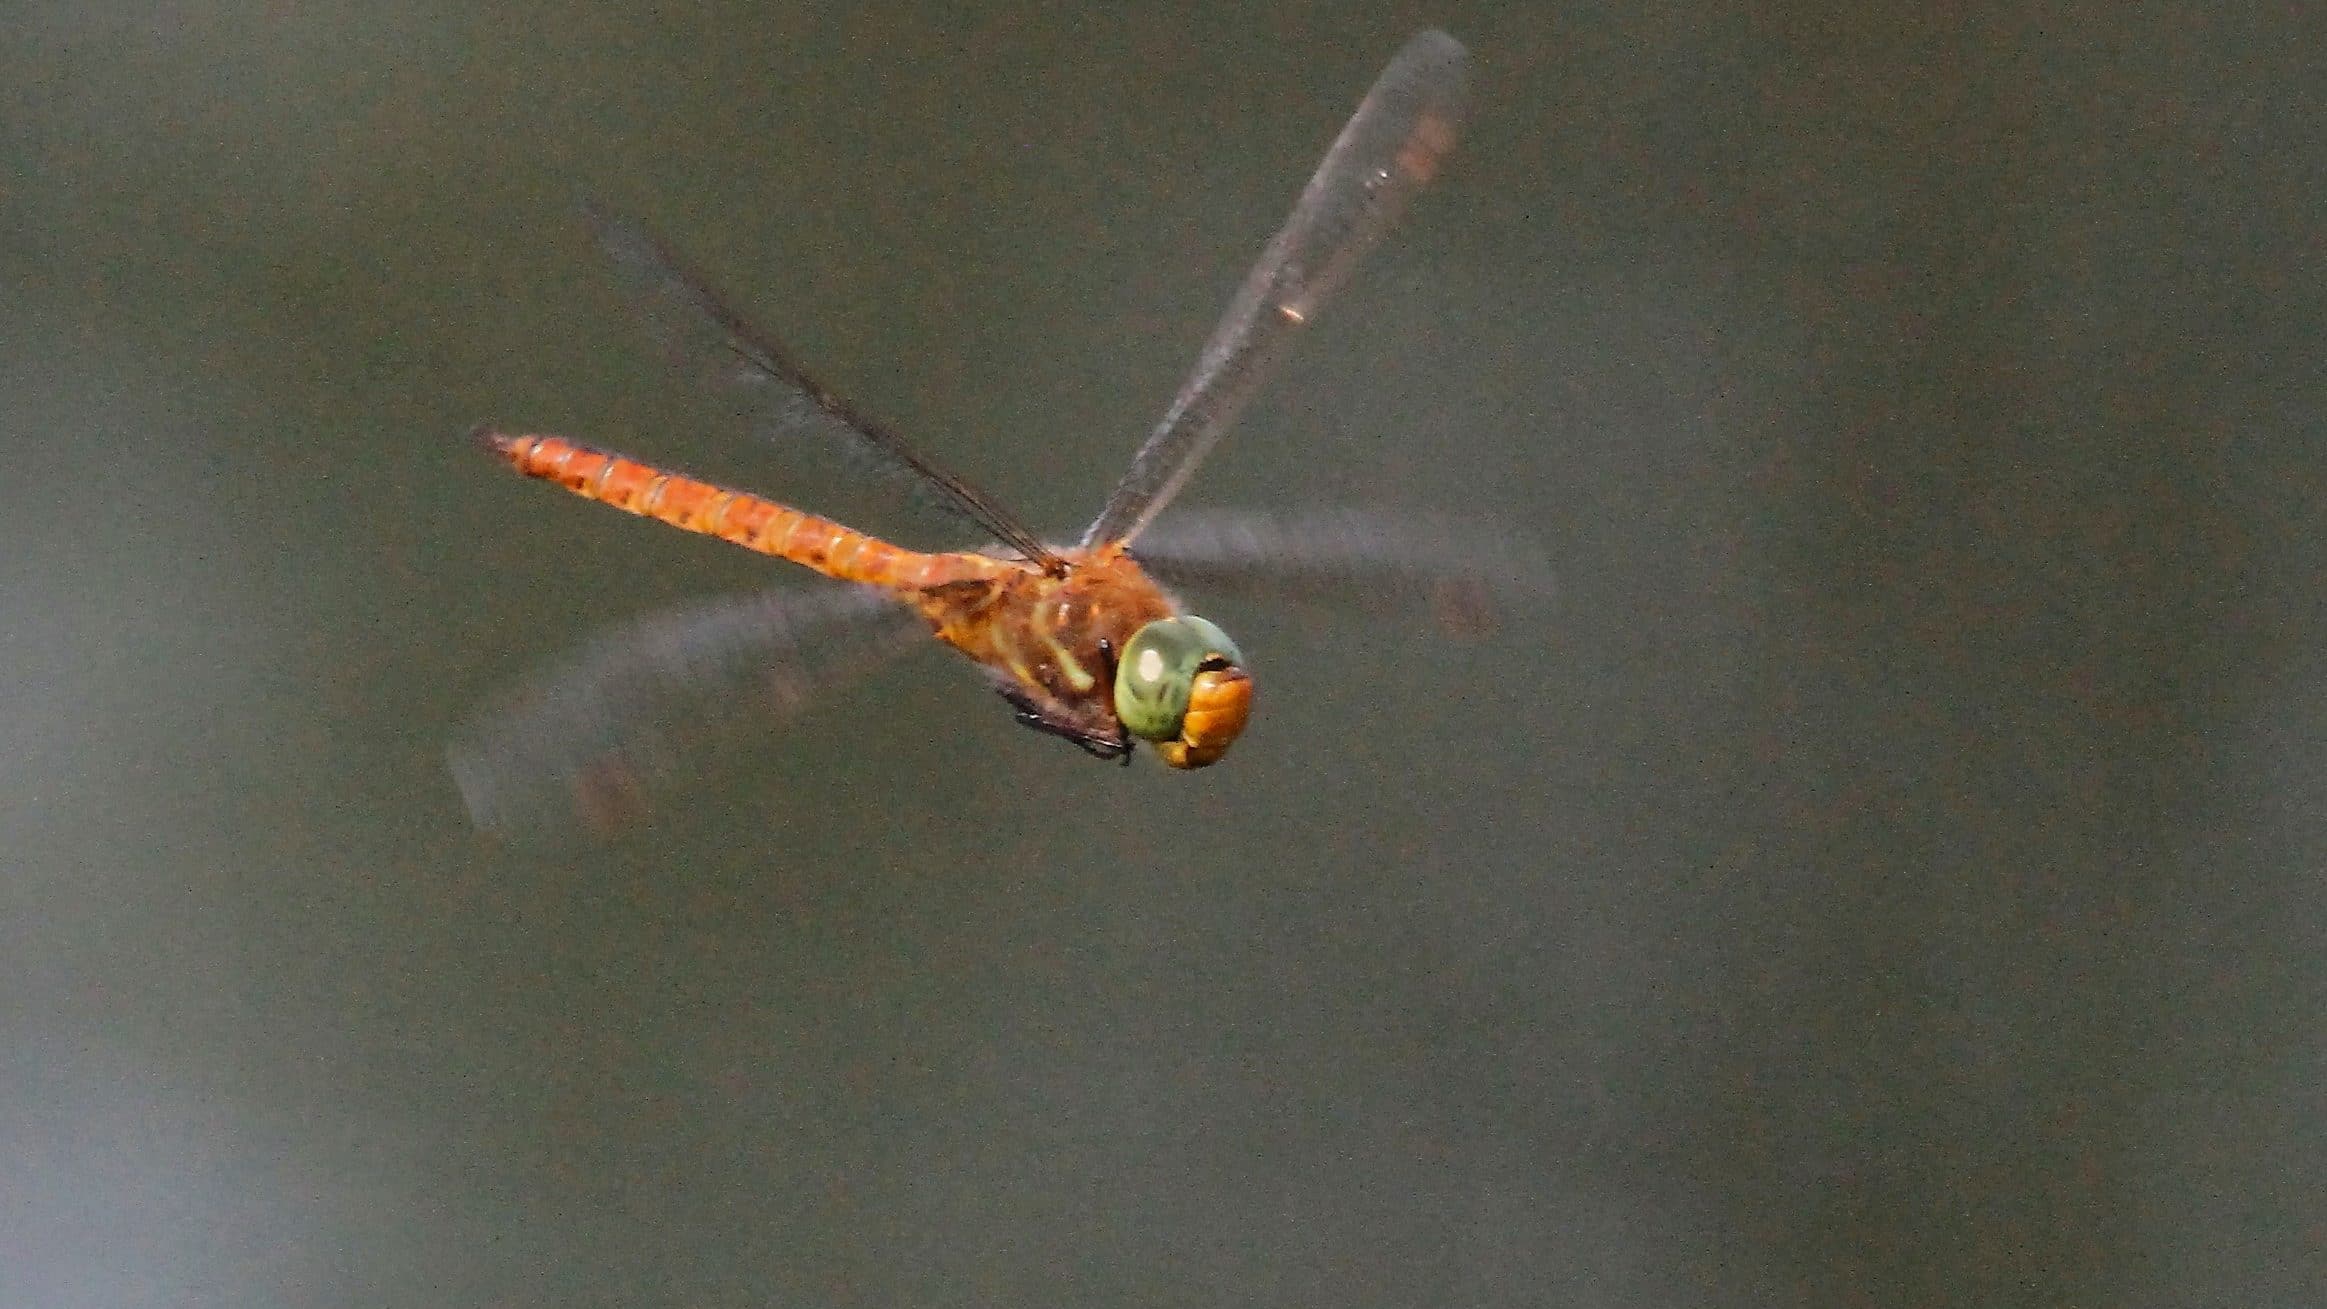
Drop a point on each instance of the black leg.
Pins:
(1107, 657)
(1095, 744)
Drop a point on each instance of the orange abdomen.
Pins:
(751, 521)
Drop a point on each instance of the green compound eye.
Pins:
(1157, 672)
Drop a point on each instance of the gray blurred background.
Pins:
(1888, 874)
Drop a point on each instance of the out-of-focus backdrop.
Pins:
(1888, 873)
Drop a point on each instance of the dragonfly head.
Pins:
(1180, 683)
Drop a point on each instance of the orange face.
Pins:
(1218, 704)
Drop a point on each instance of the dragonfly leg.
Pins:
(1107, 657)
(1099, 745)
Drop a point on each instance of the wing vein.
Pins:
(1390, 148)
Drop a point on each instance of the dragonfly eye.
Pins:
(1181, 684)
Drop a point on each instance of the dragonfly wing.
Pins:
(589, 740)
(1391, 147)
(1463, 571)
(755, 370)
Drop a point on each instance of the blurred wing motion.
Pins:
(702, 334)
(594, 737)
(1466, 572)
(1391, 147)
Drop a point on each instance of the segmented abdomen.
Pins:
(751, 521)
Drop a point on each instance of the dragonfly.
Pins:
(1081, 639)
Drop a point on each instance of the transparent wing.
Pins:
(1463, 571)
(702, 334)
(1391, 147)
(587, 742)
